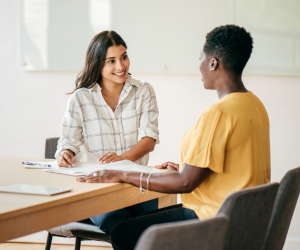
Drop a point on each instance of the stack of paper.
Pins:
(87, 163)
(88, 168)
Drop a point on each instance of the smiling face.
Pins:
(116, 65)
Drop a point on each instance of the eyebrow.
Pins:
(114, 57)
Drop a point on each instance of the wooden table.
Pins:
(22, 214)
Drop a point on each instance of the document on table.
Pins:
(86, 169)
(86, 163)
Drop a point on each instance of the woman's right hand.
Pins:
(66, 159)
(169, 165)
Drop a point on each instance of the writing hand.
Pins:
(109, 157)
(66, 159)
(169, 165)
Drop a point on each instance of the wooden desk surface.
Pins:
(22, 214)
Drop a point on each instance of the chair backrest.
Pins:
(249, 211)
(50, 147)
(191, 234)
(286, 200)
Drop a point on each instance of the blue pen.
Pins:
(36, 164)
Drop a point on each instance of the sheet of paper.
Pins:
(86, 169)
(87, 163)
(85, 157)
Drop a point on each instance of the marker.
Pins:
(36, 164)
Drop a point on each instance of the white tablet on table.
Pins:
(34, 189)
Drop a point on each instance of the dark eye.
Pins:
(125, 57)
(111, 61)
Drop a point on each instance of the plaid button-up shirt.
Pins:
(91, 123)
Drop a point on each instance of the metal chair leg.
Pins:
(77, 243)
(49, 241)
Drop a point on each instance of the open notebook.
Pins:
(86, 163)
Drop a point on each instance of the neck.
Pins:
(110, 88)
(228, 84)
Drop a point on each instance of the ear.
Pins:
(213, 64)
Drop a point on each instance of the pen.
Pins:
(36, 164)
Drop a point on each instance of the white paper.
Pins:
(86, 163)
(86, 169)
(85, 157)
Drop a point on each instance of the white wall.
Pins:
(33, 104)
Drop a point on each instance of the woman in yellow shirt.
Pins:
(227, 150)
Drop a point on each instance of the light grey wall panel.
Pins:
(275, 27)
(163, 36)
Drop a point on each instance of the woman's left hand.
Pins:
(110, 157)
(169, 165)
(103, 176)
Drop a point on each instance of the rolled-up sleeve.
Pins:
(149, 115)
(71, 132)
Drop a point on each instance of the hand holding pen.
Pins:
(66, 159)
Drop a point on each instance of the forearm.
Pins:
(71, 133)
(167, 182)
(142, 148)
(69, 151)
(66, 144)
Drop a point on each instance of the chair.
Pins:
(284, 207)
(50, 147)
(192, 235)
(249, 211)
(82, 230)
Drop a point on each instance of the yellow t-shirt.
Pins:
(231, 138)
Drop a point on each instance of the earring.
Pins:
(212, 68)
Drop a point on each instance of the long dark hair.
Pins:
(95, 58)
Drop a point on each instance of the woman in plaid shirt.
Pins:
(111, 115)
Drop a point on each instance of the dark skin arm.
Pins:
(172, 182)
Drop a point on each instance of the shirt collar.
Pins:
(96, 87)
(132, 82)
